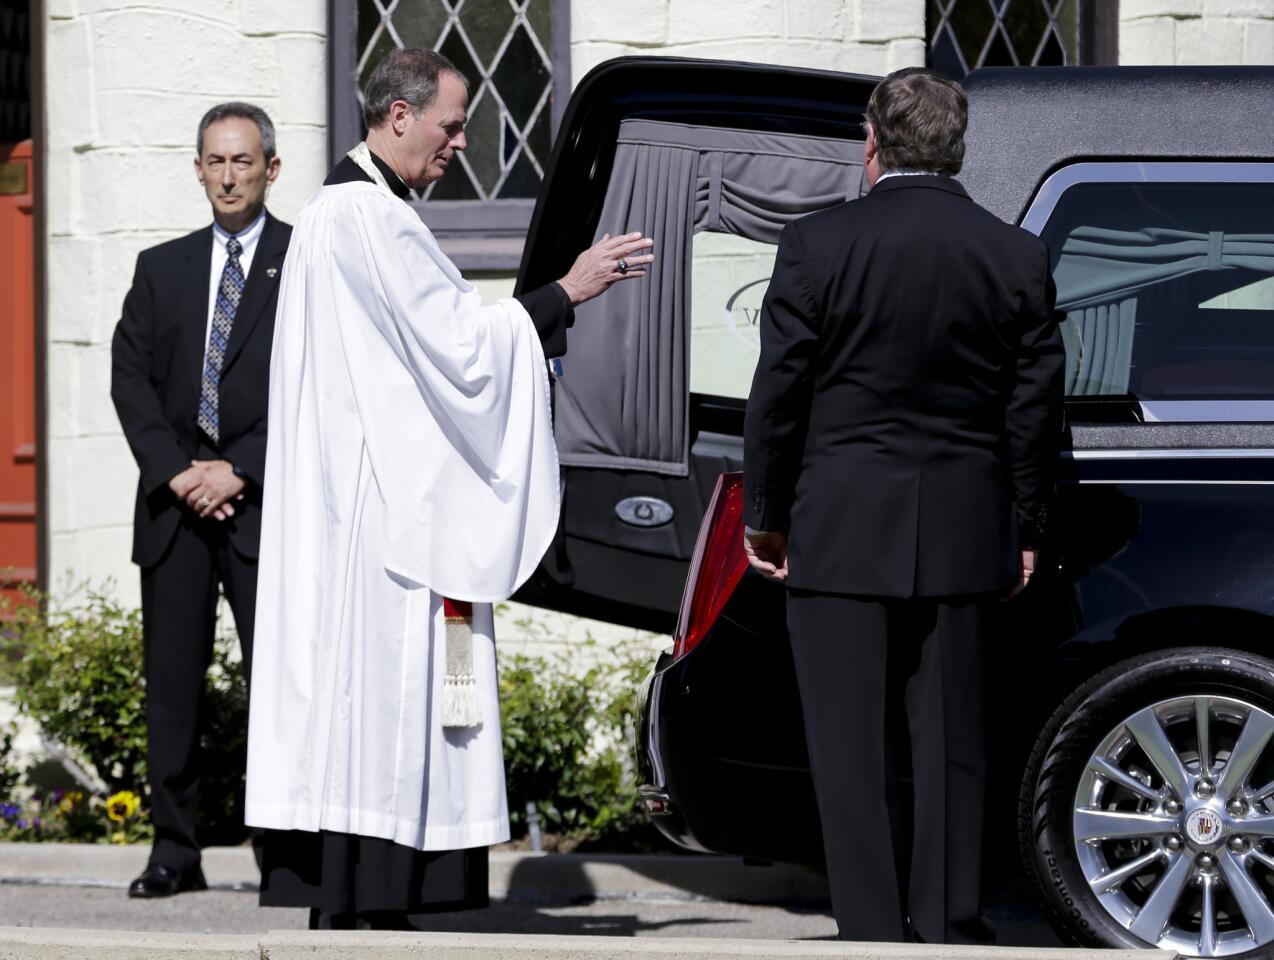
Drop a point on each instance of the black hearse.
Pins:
(1133, 687)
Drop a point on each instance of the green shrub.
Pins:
(77, 669)
(78, 673)
(568, 745)
(79, 677)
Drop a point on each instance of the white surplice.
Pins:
(410, 457)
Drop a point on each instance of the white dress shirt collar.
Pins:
(248, 236)
(905, 172)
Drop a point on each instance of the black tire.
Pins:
(1061, 754)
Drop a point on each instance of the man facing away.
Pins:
(189, 365)
(411, 481)
(900, 444)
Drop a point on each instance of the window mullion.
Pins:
(535, 40)
(524, 134)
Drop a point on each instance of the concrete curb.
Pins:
(528, 877)
(37, 943)
(30, 943)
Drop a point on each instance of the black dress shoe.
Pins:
(160, 881)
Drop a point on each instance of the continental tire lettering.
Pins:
(1059, 884)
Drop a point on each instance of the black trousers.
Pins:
(863, 665)
(179, 600)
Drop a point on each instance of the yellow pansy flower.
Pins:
(122, 806)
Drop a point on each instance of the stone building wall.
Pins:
(854, 36)
(1164, 32)
(126, 83)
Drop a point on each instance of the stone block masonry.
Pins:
(858, 36)
(1196, 32)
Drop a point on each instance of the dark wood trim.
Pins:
(469, 216)
(1099, 33)
(479, 236)
(344, 120)
(39, 145)
(487, 252)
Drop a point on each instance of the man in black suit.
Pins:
(190, 377)
(900, 444)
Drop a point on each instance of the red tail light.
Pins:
(716, 567)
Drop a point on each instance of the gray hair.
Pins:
(919, 118)
(245, 111)
(410, 75)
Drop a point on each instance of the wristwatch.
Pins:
(238, 471)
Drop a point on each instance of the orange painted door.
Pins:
(17, 368)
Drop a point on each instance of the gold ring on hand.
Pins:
(204, 503)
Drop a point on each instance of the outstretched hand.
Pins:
(598, 267)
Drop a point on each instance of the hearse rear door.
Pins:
(711, 160)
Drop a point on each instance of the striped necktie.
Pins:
(229, 292)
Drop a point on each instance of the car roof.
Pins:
(678, 89)
(1025, 122)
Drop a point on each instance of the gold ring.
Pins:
(204, 502)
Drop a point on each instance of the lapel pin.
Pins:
(271, 272)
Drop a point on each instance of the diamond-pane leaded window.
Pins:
(966, 34)
(502, 46)
(515, 54)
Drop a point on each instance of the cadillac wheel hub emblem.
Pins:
(1203, 827)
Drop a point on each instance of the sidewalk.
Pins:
(526, 877)
(34, 944)
(648, 903)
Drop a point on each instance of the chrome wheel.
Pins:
(1173, 825)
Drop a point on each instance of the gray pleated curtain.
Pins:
(622, 402)
(1099, 343)
(1099, 275)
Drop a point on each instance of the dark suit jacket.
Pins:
(157, 357)
(905, 415)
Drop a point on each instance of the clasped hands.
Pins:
(208, 487)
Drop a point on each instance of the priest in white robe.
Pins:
(411, 480)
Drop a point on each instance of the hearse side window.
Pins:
(715, 200)
(1168, 289)
(728, 279)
